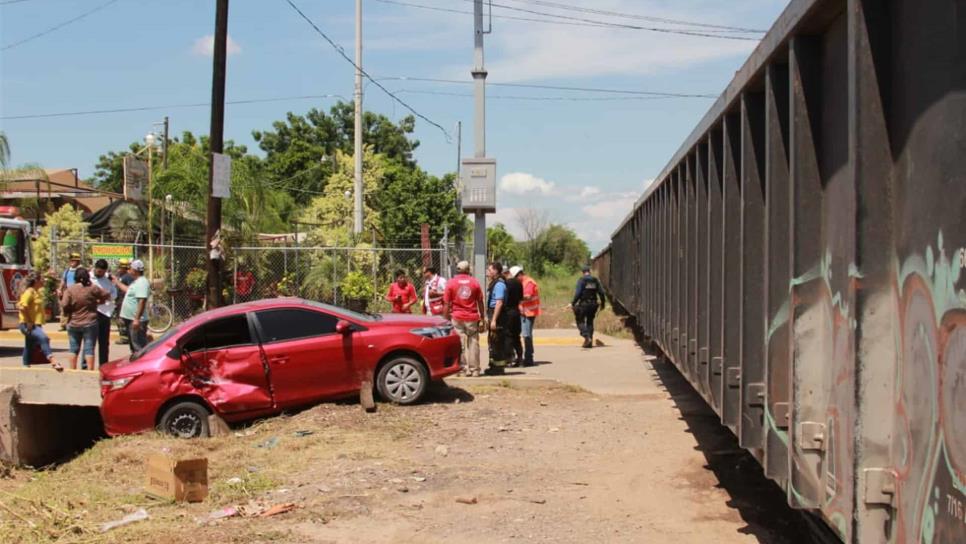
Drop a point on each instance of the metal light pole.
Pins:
(358, 151)
(479, 137)
(149, 142)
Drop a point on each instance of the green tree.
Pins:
(407, 197)
(68, 225)
(302, 147)
(329, 216)
(256, 204)
(558, 245)
(501, 246)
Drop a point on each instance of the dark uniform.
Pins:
(588, 292)
(511, 306)
(498, 341)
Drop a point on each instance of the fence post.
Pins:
(53, 249)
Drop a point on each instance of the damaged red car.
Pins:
(261, 358)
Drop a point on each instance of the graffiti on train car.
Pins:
(931, 405)
(825, 334)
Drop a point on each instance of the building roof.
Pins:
(62, 184)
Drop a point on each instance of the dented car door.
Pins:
(224, 363)
(306, 356)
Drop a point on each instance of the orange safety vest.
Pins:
(530, 308)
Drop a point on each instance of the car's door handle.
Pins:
(278, 360)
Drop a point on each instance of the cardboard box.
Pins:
(176, 479)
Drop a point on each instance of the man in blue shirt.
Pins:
(499, 341)
(585, 307)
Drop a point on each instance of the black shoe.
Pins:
(531, 363)
(588, 343)
(494, 371)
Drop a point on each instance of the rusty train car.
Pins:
(802, 261)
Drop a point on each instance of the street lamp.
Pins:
(149, 141)
(167, 208)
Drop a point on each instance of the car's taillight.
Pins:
(117, 383)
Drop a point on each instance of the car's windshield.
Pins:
(157, 342)
(360, 316)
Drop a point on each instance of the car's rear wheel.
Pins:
(403, 380)
(185, 420)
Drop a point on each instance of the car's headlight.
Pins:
(119, 383)
(441, 331)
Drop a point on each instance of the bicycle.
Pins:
(160, 316)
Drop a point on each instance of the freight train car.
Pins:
(802, 261)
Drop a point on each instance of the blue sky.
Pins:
(582, 162)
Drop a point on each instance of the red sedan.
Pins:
(261, 358)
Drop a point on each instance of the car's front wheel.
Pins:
(185, 420)
(403, 380)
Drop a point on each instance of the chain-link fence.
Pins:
(336, 275)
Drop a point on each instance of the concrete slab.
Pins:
(47, 386)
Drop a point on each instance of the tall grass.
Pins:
(556, 292)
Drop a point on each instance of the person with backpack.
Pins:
(585, 307)
(434, 289)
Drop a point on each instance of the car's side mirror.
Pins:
(343, 327)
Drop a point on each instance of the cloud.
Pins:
(205, 46)
(527, 51)
(520, 183)
(614, 208)
(589, 191)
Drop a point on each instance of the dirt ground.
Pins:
(477, 464)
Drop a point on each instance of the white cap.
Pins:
(137, 264)
(463, 266)
(515, 270)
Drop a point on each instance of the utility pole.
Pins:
(479, 138)
(164, 143)
(216, 137)
(357, 200)
(459, 186)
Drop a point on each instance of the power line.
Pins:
(554, 87)
(58, 26)
(464, 12)
(169, 107)
(539, 98)
(572, 21)
(581, 9)
(5, 2)
(704, 34)
(342, 53)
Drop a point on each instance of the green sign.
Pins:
(112, 252)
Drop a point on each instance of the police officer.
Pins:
(588, 292)
(498, 339)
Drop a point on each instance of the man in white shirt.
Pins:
(433, 289)
(104, 311)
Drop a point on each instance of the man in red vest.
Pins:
(529, 310)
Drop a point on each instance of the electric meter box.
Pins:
(479, 185)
